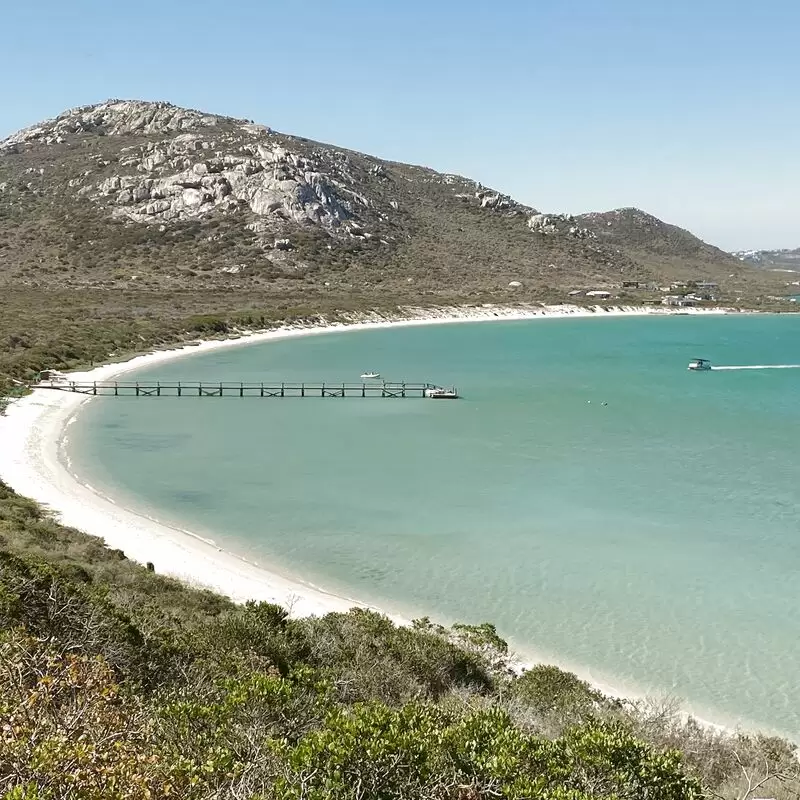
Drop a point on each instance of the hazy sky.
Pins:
(686, 108)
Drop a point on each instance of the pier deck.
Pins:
(240, 389)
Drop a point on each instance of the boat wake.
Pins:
(761, 366)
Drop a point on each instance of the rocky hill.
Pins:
(128, 224)
(779, 260)
(640, 233)
(169, 197)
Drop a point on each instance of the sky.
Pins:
(687, 109)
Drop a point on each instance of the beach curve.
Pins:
(34, 426)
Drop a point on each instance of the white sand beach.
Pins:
(33, 427)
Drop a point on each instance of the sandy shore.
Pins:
(30, 462)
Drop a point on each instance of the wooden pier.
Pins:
(233, 389)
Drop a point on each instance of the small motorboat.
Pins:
(699, 364)
(370, 376)
(438, 393)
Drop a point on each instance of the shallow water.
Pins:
(652, 542)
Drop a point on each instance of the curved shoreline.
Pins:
(35, 426)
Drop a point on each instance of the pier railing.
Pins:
(240, 389)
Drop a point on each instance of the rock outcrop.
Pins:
(114, 118)
(268, 181)
(559, 224)
(495, 201)
(199, 163)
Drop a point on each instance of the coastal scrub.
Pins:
(116, 682)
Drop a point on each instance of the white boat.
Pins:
(370, 376)
(699, 364)
(437, 393)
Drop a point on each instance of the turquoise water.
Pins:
(653, 542)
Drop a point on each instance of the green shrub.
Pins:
(557, 695)
(116, 682)
(369, 657)
(418, 751)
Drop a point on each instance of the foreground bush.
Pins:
(70, 730)
(418, 751)
(119, 683)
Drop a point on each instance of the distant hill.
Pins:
(637, 231)
(771, 259)
(175, 198)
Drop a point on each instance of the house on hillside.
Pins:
(703, 286)
(51, 376)
(703, 297)
(679, 300)
(599, 294)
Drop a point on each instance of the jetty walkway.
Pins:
(241, 389)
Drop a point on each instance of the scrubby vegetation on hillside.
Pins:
(116, 682)
(71, 330)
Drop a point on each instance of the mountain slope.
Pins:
(183, 198)
(170, 197)
(638, 231)
(131, 224)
